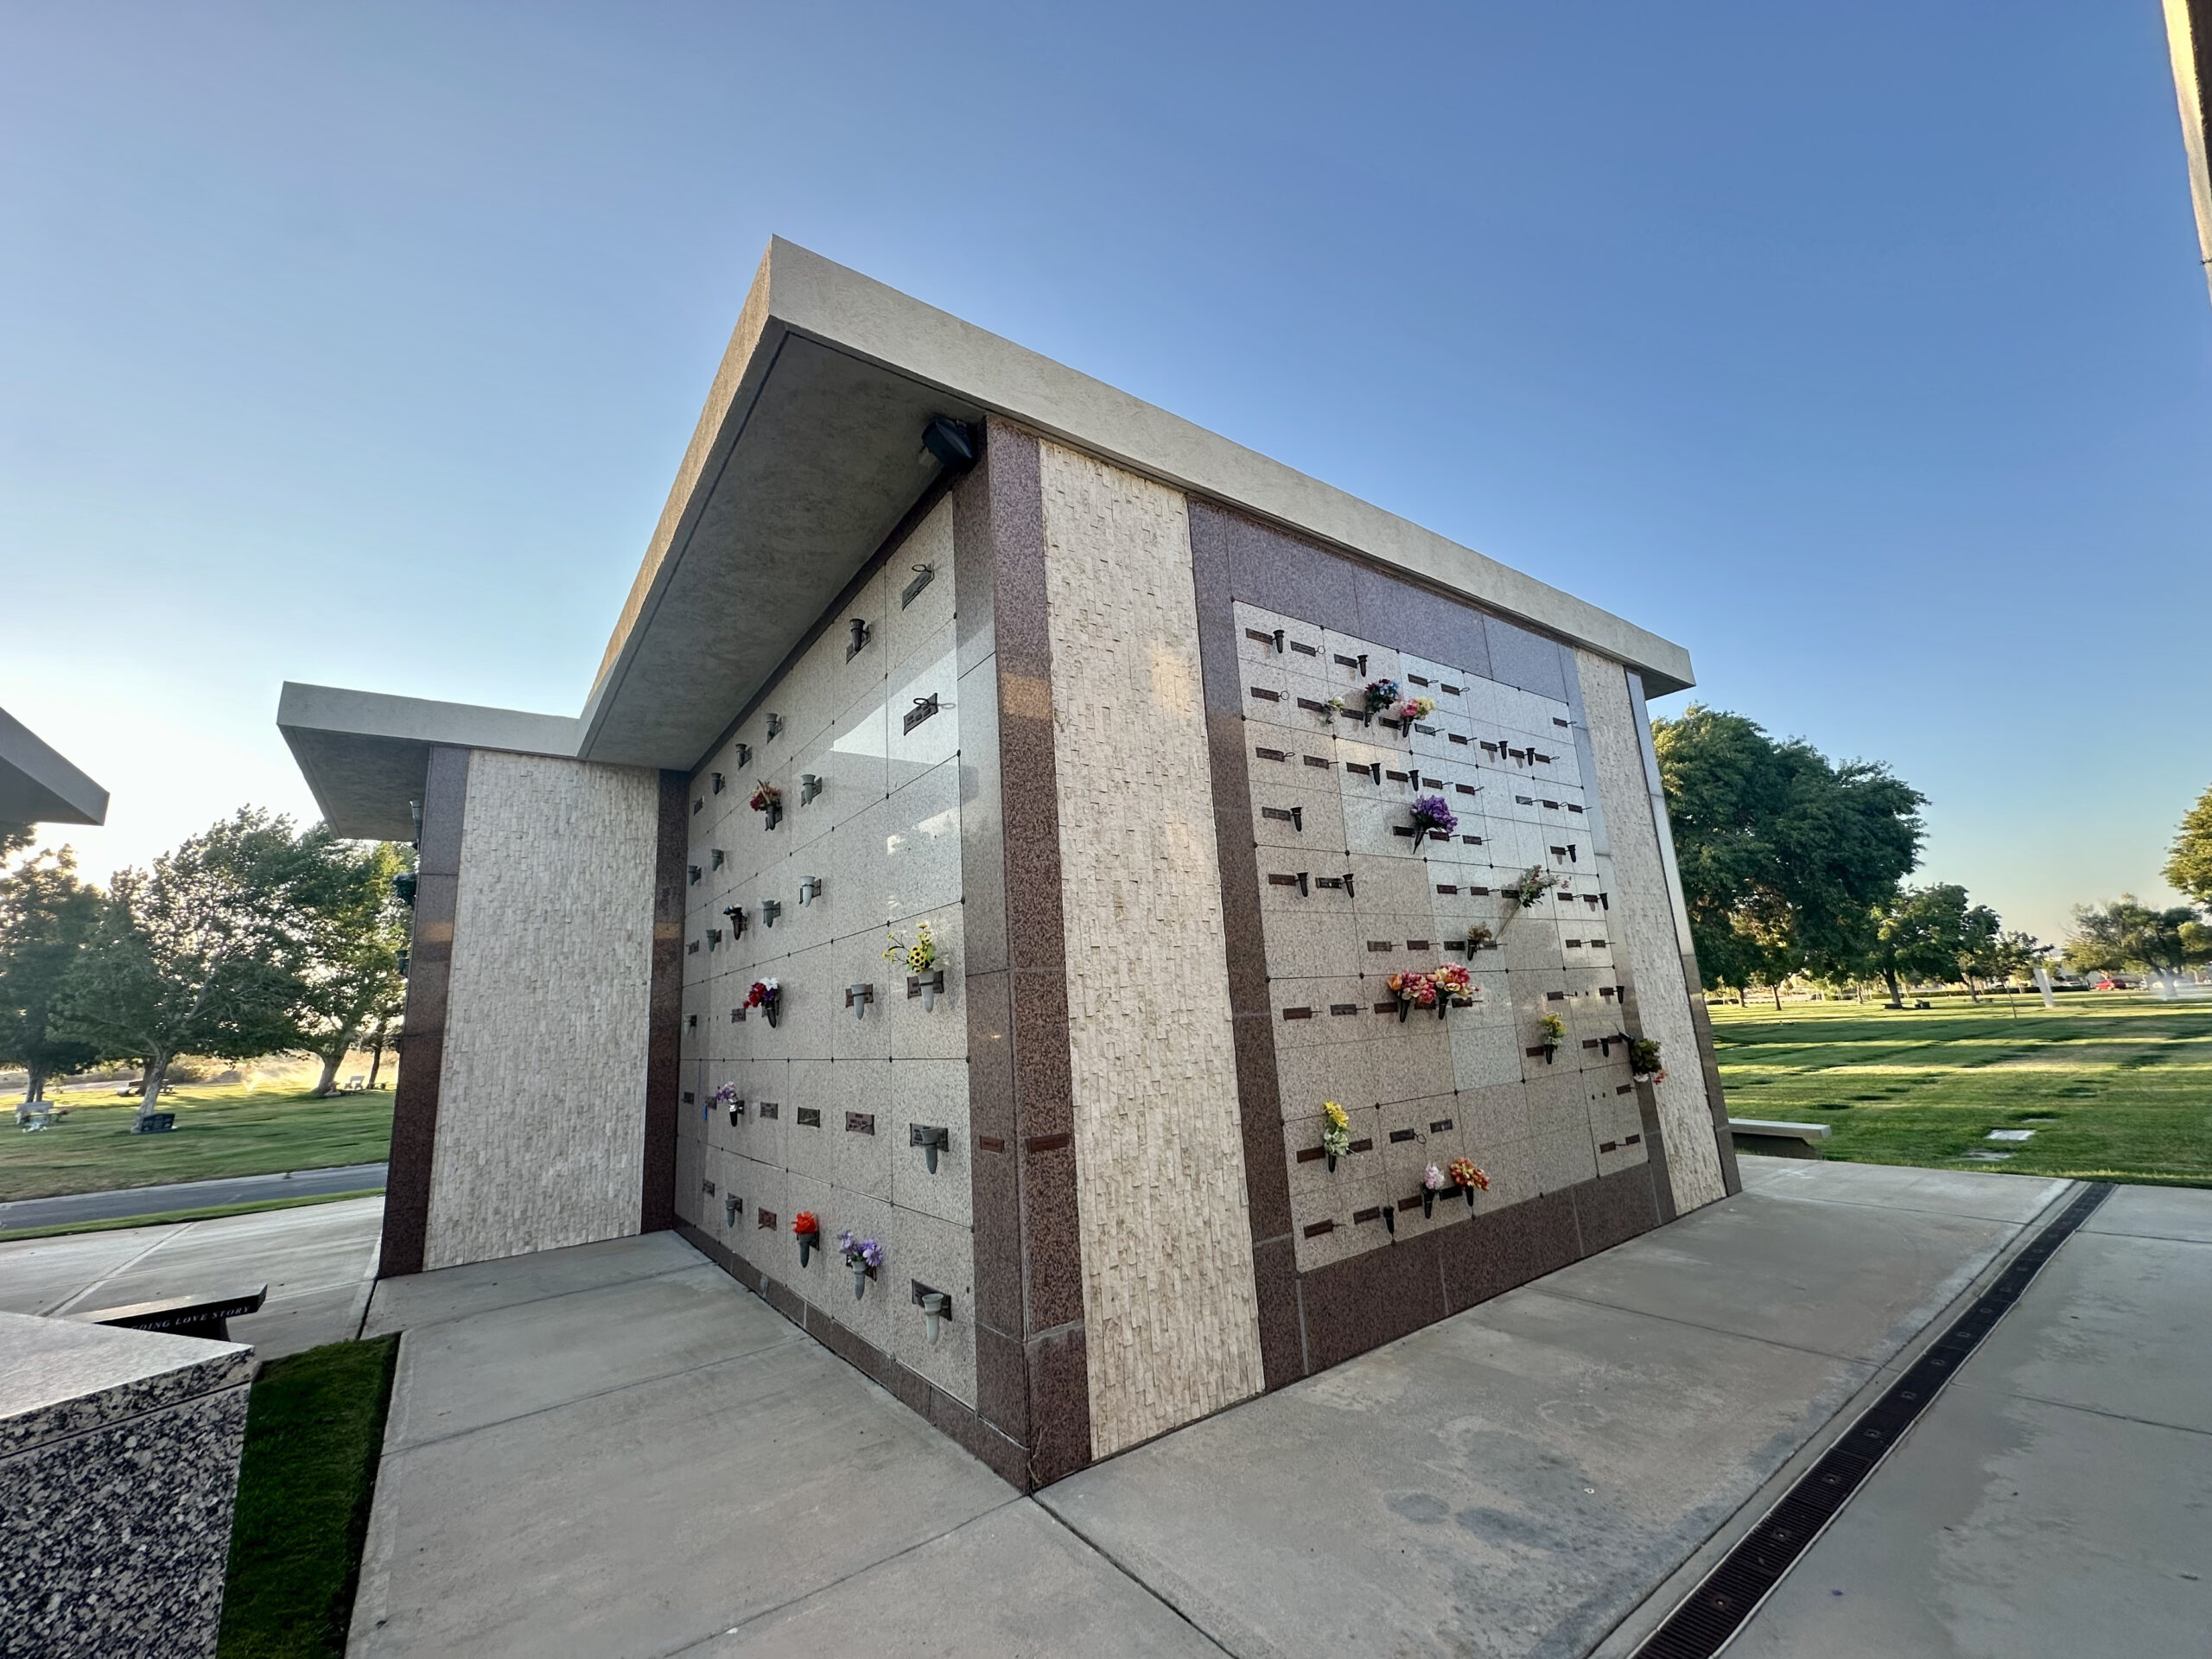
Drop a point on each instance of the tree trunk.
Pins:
(150, 1081)
(1778, 996)
(1971, 992)
(376, 1051)
(35, 1085)
(1896, 996)
(332, 1059)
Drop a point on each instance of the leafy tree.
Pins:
(46, 916)
(353, 981)
(2128, 933)
(2005, 955)
(14, 837)
(1784, 854)
(207, 951)
(1932, 933)
(2188, 863)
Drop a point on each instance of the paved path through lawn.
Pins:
(71, 1209)
(319, 1262)
(615, 1450)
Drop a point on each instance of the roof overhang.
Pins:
(806, 457)
(38, 786)
(365, 755)
(809, 453)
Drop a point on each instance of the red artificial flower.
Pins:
(804, 1223)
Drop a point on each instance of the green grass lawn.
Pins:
(221, 1130)
(2116, 1086)
(314, 1430)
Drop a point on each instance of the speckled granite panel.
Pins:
(1172, 1319)
(118, 1467)
(1644, 919)
(542, 1103)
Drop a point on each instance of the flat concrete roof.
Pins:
(38, 786)
(806, 456)
(365, 755)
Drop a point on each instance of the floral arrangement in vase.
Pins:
(863, 1256)
(766, 797)
(921, 960)
(1644, 1060)
(1535, 881)
(1431, 1182)
(1335, 1133)
(1433, 816)
(1555, 1030)
(808, 1231)
(1414, 708)
(1379, 697)
(1466, 1178)
(768, 997)
(1437, 988)
(1413, 991)
(726, 1097)
(1480, 938)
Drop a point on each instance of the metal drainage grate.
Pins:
(1710, 1615)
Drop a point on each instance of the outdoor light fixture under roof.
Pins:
(950, 441)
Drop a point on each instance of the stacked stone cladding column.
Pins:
(1642, 895)
(1168, 1294)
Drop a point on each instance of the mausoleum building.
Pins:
(1006, 820)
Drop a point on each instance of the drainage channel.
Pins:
(1724, 1601)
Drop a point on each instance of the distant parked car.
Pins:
(2114, 982)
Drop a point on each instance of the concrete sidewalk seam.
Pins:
(600, 1393)
(696, 1642)
(1714, 1330)
(1901, 1209)
(2076, 1405)
(1122, 1568)
(550, 1296)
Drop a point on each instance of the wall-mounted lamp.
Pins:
(950, 443)
(931, 1139)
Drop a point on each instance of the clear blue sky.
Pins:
(1862, 348)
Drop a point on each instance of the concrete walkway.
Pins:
(616, 1450)
(73, 1209)
(318, 1260)
(2053, 1501)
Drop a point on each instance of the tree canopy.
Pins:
(1787, 858)
(2189, 861)
(46, 915)
(2128, 933)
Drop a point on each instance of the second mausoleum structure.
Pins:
(1090, 922)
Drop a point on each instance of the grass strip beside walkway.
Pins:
(2114, 1086)
(314, 1433)
(221, 1130)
